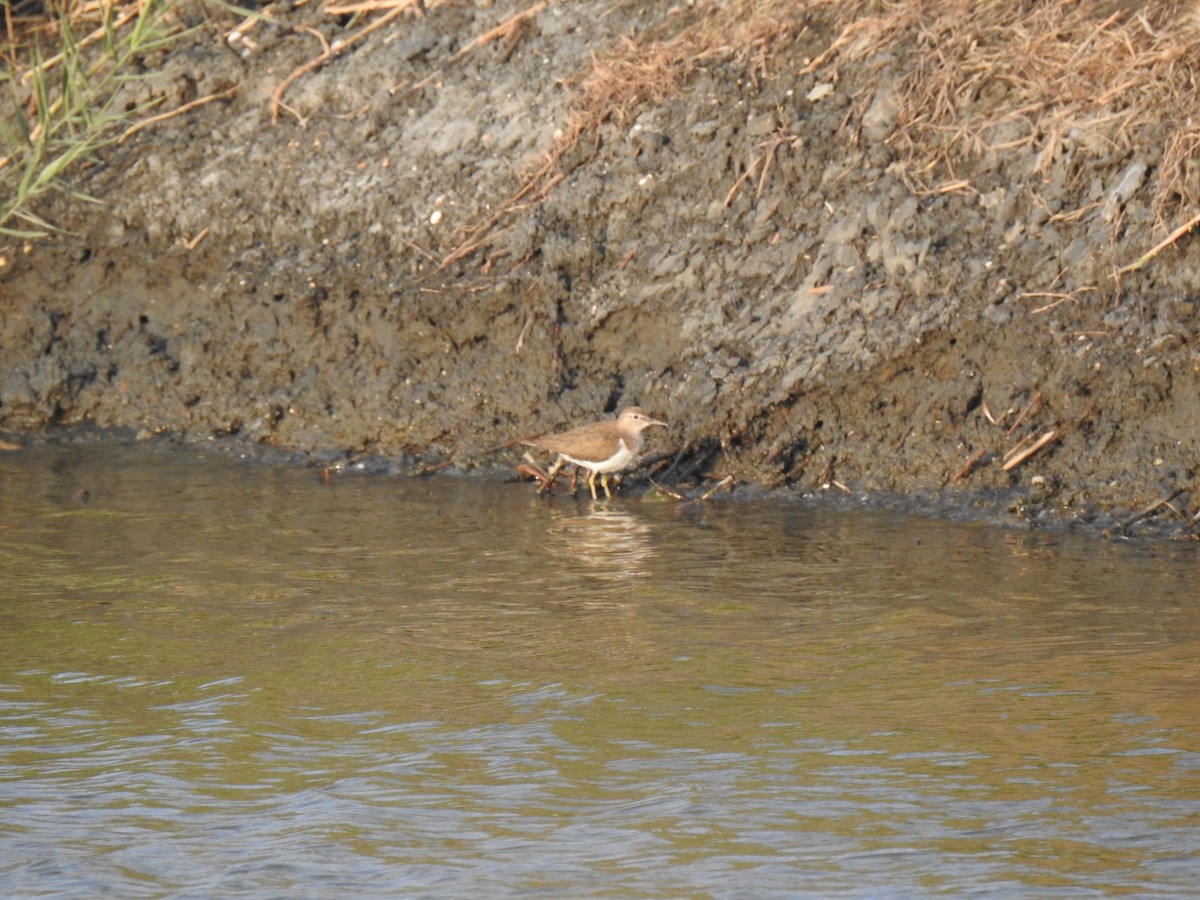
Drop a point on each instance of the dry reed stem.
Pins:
(742, 179)
(663, 489)
(1154, 507)
(329, 53)
(969, 466)
(1056, 297)
(1023, 455)
(1159, 247)
(502, 30)
(178, 111)
(476, 237)
(195, 242)
(720, 485)
(347, 9)
(1018, 447)
(1034, 401)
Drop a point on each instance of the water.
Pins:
(220, 679)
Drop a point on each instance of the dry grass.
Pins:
(995, 74)
(970, 76)
(975, 77)
(639, 73)
(26, 22)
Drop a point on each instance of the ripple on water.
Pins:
(219, 679)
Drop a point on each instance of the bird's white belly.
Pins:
(619, 460)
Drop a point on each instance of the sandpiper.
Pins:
(600, 447)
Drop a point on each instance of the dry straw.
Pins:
(968, 77)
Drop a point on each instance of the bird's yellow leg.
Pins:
(553, 471)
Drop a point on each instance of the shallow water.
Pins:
(220, 679)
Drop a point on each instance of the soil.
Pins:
(749, 251)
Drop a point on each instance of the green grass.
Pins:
(57, 101)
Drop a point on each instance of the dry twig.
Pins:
(720, 485)
(674, 495)
(1037, 445)
(1159, 247)
(178, 111)
(969, 466)
(329, 53)
(1148, 511)
(1028, 408)
(501, 30)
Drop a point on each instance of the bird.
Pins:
(599, 447)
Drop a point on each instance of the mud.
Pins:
(753, 258)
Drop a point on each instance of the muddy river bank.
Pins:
(484, 221)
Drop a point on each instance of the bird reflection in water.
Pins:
(612, 543)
